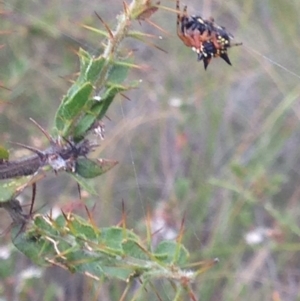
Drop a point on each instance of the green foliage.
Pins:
(9, 189)
(115, 252)
(78, 110)
(96, 111)
(68, 113)
(88, 168)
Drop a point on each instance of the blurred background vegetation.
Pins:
(219, 148)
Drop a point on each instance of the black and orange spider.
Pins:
(204, 36)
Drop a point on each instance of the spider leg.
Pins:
(185, 14)
(181, 25)
(182, 18)
(179, 31)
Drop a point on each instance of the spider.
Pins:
(204, 36)
(209, 50)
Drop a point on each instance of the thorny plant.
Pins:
(61, 155)
(70, 241)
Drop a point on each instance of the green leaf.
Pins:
(121, 273)
(71, 108)
(118, 72)
(90, 70)
(74, 105)
(46, 225)
(60, 222)
(133, 248)
(79, 226)
(98, 110)
(9, 189)
(84, 125)
(171, 252)
(83, 183)
(86, 60)
(98, 265)
(112, 238)
(4, 154)
(93, 72)
(87, 266)
(30, 244)
(88, 168)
